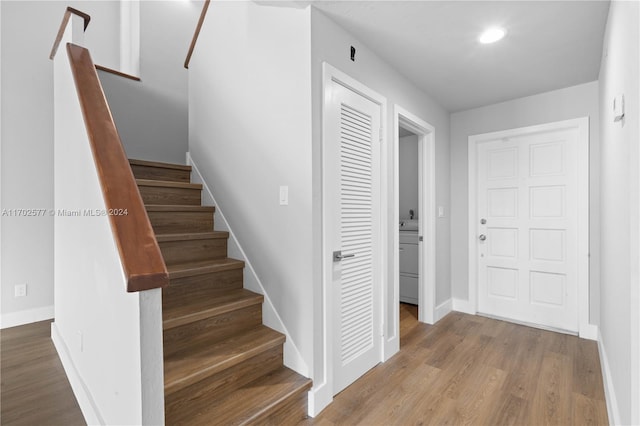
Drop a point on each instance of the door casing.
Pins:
(426, 189)
(322, 393)
(586, 330)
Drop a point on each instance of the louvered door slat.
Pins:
(356, 206)
(352, 168)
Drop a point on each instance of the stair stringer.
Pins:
(292, 356)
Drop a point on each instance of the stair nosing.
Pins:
(178, 207)
(249, 299)
(208, 267)
(210, 370)
(169, 184)
(190, 236)
(271, 404)
(257, 415)
(159, 164)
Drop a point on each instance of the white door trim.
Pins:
(427, 193)
(323, 386)
(129, 37)
(582, 124)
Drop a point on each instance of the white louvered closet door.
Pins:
(356, 197)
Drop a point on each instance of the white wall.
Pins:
(408, 176)
(620, 217)
(250, 133)
(563, 104)
(28, 31)
(152, 114)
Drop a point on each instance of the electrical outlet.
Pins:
(20, 290)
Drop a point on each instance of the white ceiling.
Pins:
(549, 44)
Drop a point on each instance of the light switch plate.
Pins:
(440, 211)
(284, 195)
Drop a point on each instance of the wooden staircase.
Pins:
(221, 365)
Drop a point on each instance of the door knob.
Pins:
(482, 237)
(338, 256)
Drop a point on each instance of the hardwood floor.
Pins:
(35, 389)
(477, 371)
(464, 370)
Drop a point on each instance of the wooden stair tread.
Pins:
(221, 365)
(187, 236)
(159, 164)
(189, 269)
(178, 208)
(168, 184)
(184, 310)
(196, 362)
(249, 404)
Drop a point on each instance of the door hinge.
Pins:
(380, 134)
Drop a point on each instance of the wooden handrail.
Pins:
(63, 27)
(116, 72)
(196, 33)
(140, 254)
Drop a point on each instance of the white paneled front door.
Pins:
(527, 228)
(352, 177)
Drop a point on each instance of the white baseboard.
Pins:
(442, 310)
(390, 347)
(292, 356)
(83, 396)
(13, 319)
(607, 380)
(589, 331)
(319, 397)
(463, 306)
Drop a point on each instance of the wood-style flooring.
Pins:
(465, 370)
(471, 370)
(35, 389)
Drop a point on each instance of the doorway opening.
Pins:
(409, 211)
(414, 218)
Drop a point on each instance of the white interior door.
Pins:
(352, 176)
(527, 226)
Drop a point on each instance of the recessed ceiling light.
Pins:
(491, 35)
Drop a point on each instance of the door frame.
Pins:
(585, 330)
(332, 75)
(427, 222)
